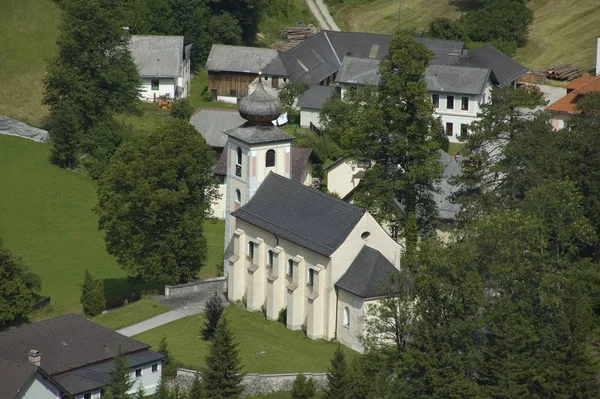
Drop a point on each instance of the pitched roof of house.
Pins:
(97, 375)
(275, 67)
(446, 208)
(13, 377)
(300, 214)
(226, 58)
(257, 134)
(157, 56)
(300, 157)
(369, 274)
(315, 96)
(456, 79)
(361, 71)
(220, 168)
(505, 69)
(579, 87)
(213, 123)
(65, 342)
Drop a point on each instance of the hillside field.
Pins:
(562, 31)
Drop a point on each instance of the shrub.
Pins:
(282, 318)
(303, 388)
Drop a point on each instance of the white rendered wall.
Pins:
(38, 388)
(218, 206)
(351, 334)
(340, 180)
(165, 86)
(309, 115)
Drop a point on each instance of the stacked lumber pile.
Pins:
(563, 72)
(534, 76)
(293, 36)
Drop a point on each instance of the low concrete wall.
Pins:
(259, 384)
(208, 284)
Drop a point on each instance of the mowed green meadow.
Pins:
(562, 31)
(46, 217)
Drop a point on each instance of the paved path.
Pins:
(321, 13)
(151, 323)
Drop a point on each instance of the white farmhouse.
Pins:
(27, 381)
(163, 63)
(289, 246)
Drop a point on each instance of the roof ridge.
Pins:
(333, 49)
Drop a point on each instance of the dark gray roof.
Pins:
(369, 274)
(212, 123)
(157, 56)
(239, 58)
(504, 68)
(456, 79)
(452, 49)
(221, 166)
(87, 342)
(315, 96)
(300, 214)
(13, 377)
(275, 67)
(252, 134)
(300, 157)
(98, 375)
(360, 71)
(311, 61)
(447, 209)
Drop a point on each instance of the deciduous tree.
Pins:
(153, 200)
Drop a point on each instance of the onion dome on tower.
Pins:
(259, 107)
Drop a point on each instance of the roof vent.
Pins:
(35, 357)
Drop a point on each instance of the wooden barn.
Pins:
(232, 68)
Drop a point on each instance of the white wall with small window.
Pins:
(146, 375)
(350, 321)
(153, 88)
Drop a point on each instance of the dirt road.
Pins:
(321, 13)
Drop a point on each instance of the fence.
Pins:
(208, 284)
(260, 384)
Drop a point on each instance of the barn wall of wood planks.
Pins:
(230, 84)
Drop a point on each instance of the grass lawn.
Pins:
(214, 230)
(381, 16)
(29, 32)
(131, 314)
(283, 13)
(455, 147)
(285, 351)
(46, 217)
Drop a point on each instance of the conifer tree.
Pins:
(140, 394)
(303, 388)
(337, 376)
(196, 390)
(65, 134)
(92, 295)
(222, 378)
(169, 367)
(120, 381)
(213, 311)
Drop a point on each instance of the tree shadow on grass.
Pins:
(122, 291)
(467, 5)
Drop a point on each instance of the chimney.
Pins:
(598, 55)
(35, 357)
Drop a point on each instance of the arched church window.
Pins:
(270, 158)
(346, 317)
(238, 196)
(238, 164)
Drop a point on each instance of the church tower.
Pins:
(253, 150)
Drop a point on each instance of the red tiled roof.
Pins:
(580, 86)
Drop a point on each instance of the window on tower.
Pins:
(270, 158)
(238, 163)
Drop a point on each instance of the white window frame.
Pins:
(136, 373)
(464, 107)
(154, 366)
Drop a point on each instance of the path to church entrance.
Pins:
(184, 305)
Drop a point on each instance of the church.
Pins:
(291, 249)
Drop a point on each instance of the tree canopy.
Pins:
(153, 200)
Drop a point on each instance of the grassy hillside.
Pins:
(46, 217)
(562, 31)
(29, 32)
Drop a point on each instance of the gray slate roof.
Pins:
(447, 209)
(369, 274)
(13, 377)
(98, 375)
(213, 123)
(87, 342)
(300, 214)
(439, 78)
(223, 58)
(315, 96)
(456, 79)
(158, 56)
(275, 67)
(360, 71)
(300, 157)
(505, 69)
(252, 134)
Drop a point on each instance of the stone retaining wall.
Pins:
(259, 384)
(208, 284)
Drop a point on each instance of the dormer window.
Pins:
(238, 164)
(270, 158)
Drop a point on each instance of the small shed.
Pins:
(310, 104)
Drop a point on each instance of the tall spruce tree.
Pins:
(120, 379)
(223, 374)
(169, 367)
(66, 134)
(92, 295)
(213, 311)
(397, 131)
(93, 72)
(338, 377)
